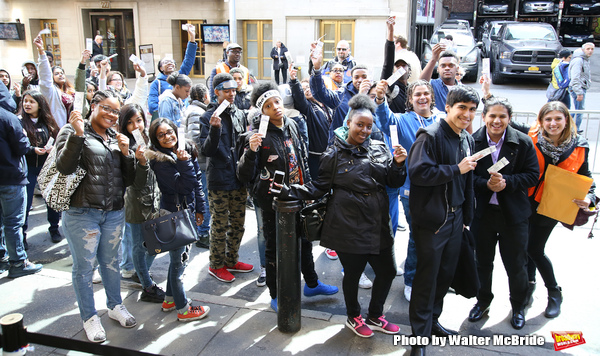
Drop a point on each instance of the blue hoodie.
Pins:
(14, 144)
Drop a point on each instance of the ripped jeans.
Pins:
(93, 233)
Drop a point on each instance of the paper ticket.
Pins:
(485, 152)
(397, 74)
(288, 56)
(394, 135)
(113, 56)
(498, 165)
(485, 67)
(139, 139)
(391, 19)
(45, 31)
(264, 124)
(181, 138)
(222, 107)
(89, 44)
(78, 102)
(135, 60)
(184, 26)
(93, 66)
(50, 143)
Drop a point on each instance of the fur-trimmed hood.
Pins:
(152, 155)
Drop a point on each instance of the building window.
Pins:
(335, 31)
(198, 67)
(258, 42)
(51, 41)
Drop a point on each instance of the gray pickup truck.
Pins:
(524, 50)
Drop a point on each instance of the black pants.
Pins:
(307, 263)
(437, 257)
(490, 230)
(283, 74)
(354, 265)
(540, 228)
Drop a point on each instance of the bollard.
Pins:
(288, 266)
(13, 335)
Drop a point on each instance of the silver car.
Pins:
(539, 7)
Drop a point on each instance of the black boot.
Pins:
(529, 295)
(554, 302)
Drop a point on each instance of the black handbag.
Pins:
(170, 232)
(466, 278)
(313, 216)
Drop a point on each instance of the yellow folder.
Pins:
(560, 188)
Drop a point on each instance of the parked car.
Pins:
(585, 7)
(465, 46)
(523, 49)
(539, 7)
(490, 28)
(494, 7)
(456, 24)
(576, 35)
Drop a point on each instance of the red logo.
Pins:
(565, 339)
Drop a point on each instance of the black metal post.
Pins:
(288, 266)
(13, 334)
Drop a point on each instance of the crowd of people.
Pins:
(368, 144)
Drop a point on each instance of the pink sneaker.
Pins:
(240, 267)
(358, 326)
(380, 324)
(331, 254)
(221, 274)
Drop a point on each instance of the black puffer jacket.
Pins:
(258, 167)
(358, 219)
(108, 171)
(192, 125)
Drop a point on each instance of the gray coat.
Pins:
(108, 171)
(579, 72)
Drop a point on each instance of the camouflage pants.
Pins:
(228, 212)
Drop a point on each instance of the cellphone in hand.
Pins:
(278, 177)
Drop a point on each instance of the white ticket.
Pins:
(222, 107)
(89, 44)
(485, 152)
(113, 56)
(78, 102)
(288, 56)
(397, 74)
(498, 165)
(50, 143)
(264, 124)
(139, 139)
(180, 138)
(45, 31)
(184, 26)
(135, 60)
(485, 67)
(93, 66)
(394, 135)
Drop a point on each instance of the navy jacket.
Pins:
(14, 144)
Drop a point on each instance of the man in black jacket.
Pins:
(441, 205)
(502, 207)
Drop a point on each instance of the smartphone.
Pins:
(278, 177)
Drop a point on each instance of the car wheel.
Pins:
(497, 78)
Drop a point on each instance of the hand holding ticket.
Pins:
(394, 77)
(222, 107)
(264, 124)
(139, 140)
(498, 165)
(394, 135)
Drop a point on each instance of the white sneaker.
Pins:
(127, 274)
(365, 282)
(94, 330)
(399, 271)
(401, 227)
(261, 281)
(407, 292)
(96, 278)
(120, 314)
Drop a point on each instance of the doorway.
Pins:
(258, 42)
(116, 29)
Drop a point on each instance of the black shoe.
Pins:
(56, 236)
(518, 319)
(554, 302)
(23, 268)
(203, 241)
(135, 278)
(417, 351)
(478, 311)
(153, 294)
(438, 330)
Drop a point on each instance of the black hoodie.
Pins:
(13, 143)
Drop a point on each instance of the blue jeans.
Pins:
(260, 235)
(53, 215)
(204, 229)
(410, 265)
(578, 105)
(126, 253)
(12, 211)
(179, 259)
(141, 259)
(94, 234)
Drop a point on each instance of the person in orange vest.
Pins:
(234, 56)
(335, 80)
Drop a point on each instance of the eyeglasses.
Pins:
(342, 49)
(337, 70)
(161, 136)
(109, 110)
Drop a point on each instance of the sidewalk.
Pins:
(241, 322)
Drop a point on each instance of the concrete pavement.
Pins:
(241, 322)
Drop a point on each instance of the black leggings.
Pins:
(540, 228)
(354, 265)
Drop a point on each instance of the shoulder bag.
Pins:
(56, 187)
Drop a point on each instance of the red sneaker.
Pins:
(168, 306)
(193, 313)
(221, 274)
(380, 324)
(240, 267)
(358, 326)
(331, 254)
